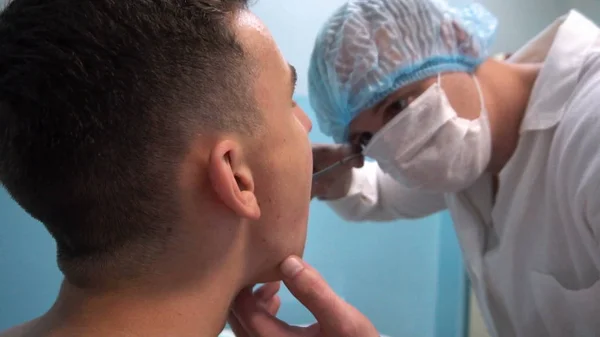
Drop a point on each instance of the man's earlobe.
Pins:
(232, 180)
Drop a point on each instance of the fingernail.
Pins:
(291, 267)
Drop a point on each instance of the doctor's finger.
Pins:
(258, 322)
(327, 154)
(307, 285)
(334, 315)
(357, 162)
(237, 327)
(271, 306)
(267, 291)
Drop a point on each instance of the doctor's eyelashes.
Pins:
(364, 140)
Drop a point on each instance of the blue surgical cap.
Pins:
(369, 48)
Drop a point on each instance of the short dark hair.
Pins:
(99, 100)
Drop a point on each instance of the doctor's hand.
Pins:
(333, 184)
(335, 318)
(266, 297)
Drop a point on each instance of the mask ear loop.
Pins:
(480, 93)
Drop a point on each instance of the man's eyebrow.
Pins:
(294, 77)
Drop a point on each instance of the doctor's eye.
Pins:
(364, 139)
(398, 105)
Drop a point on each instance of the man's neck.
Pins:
(171, 311)
(509, 88)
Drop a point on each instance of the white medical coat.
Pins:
(533, 254)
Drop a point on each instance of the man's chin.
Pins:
(274, 275)
(300, 253)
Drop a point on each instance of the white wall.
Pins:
(477, 326)
(520, 20)
(590, 8)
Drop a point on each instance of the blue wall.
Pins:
(29, 278)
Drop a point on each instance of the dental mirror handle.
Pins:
(336, 164)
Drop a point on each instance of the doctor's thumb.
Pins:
(335, 316)
(307, 285)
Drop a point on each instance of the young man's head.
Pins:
(153, 137)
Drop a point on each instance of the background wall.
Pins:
(406, 276)
(591, 8)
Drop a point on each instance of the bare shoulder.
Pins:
(23, 330)
(17, 331)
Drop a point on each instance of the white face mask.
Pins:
(427, 146)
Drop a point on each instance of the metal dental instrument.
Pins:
(339, 163)
(336, 164)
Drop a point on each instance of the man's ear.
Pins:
(232, 180)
